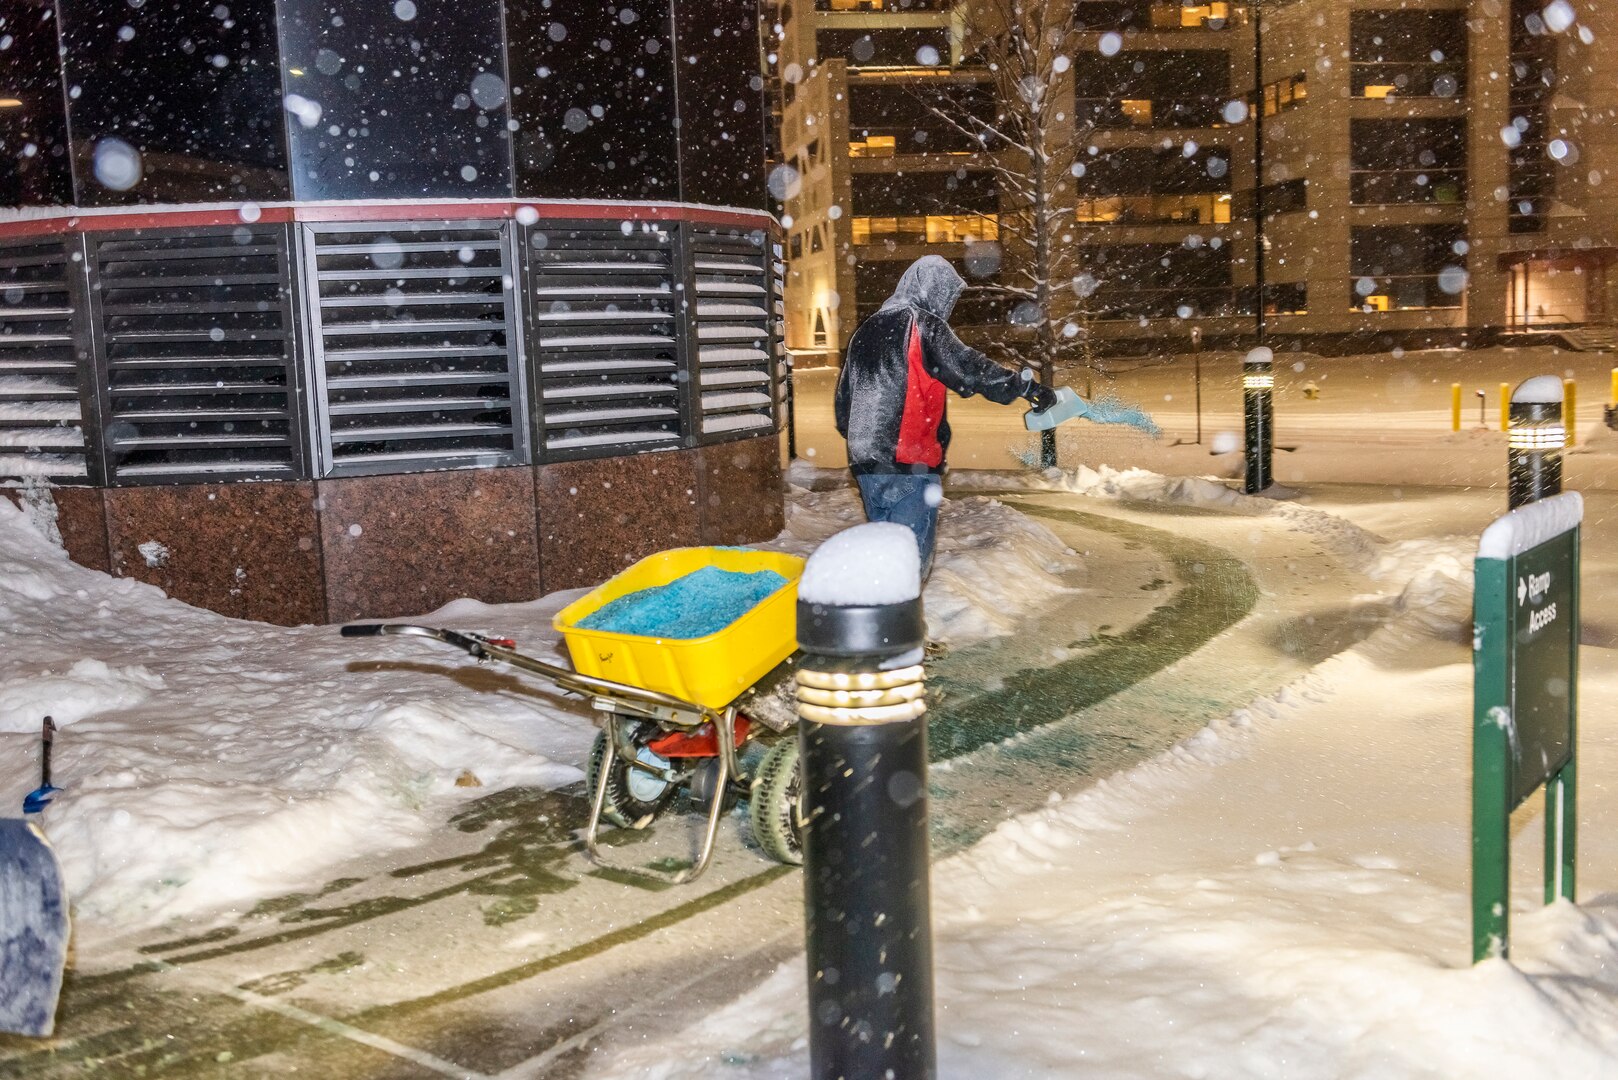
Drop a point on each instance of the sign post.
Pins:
(1525, 642)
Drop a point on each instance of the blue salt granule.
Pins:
(702, 602)
(1109, 409)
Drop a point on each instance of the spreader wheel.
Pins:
(775, 809)
(634, 797)
(704, 781)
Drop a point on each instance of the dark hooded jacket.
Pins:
(891, 400)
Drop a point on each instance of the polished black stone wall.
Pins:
(593, 95)
(396, 108)
(173, 101)
(178, 101)
(34, 168)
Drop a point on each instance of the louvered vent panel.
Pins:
(778, 338)
(733, 322)
(196, 340)
(41, 431)
(418, 347)
(604, 338)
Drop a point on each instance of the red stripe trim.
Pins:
(37, 227)
(180, 217)
(404, 211)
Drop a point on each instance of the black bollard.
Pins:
(863, 738)
(1535, 441)
(1258, 392)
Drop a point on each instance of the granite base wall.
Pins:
(250, 551)
(597, 517)
(388, 546)
(741, 492)
(403, 545)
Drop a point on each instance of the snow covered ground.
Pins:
(1378, 419)
(210, 762)
(1283, 895)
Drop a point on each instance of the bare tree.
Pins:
(1027, 48)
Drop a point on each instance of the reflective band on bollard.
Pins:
(863, 738)
(1535, 441)
(1258, 393)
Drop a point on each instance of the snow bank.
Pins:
(85, 688)
(1345, 539)
(992, 566)
(208, 762)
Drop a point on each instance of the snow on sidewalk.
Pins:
(210, 762)
(1283, 895)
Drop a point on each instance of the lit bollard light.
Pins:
(1534, 443)
(863, 744)
(1258, 403)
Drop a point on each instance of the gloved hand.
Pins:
(1041, 397)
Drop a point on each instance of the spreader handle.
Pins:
(373, 629)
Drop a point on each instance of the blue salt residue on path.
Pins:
(702, 602)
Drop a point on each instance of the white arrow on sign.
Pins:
(1522, 589)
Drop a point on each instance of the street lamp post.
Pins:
(1258, 169)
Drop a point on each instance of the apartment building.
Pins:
(1432, 170)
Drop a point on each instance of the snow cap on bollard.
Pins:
(1539, 390)
(860, 594)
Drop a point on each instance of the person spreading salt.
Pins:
(892, 395)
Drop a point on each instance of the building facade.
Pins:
(1433, 172)
(315, 311)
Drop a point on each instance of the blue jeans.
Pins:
(906, 499)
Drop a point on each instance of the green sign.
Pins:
(1525, 680)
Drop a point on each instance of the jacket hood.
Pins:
(931, 284)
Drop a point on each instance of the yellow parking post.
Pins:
(1455, 406)
(1505, 406)
(1570, 410)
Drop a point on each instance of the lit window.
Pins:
(1285, 93)
(1138, 110)
(1379, 91)
(873, 146)
(1195, 16)
(822, 337)
(929, 229)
